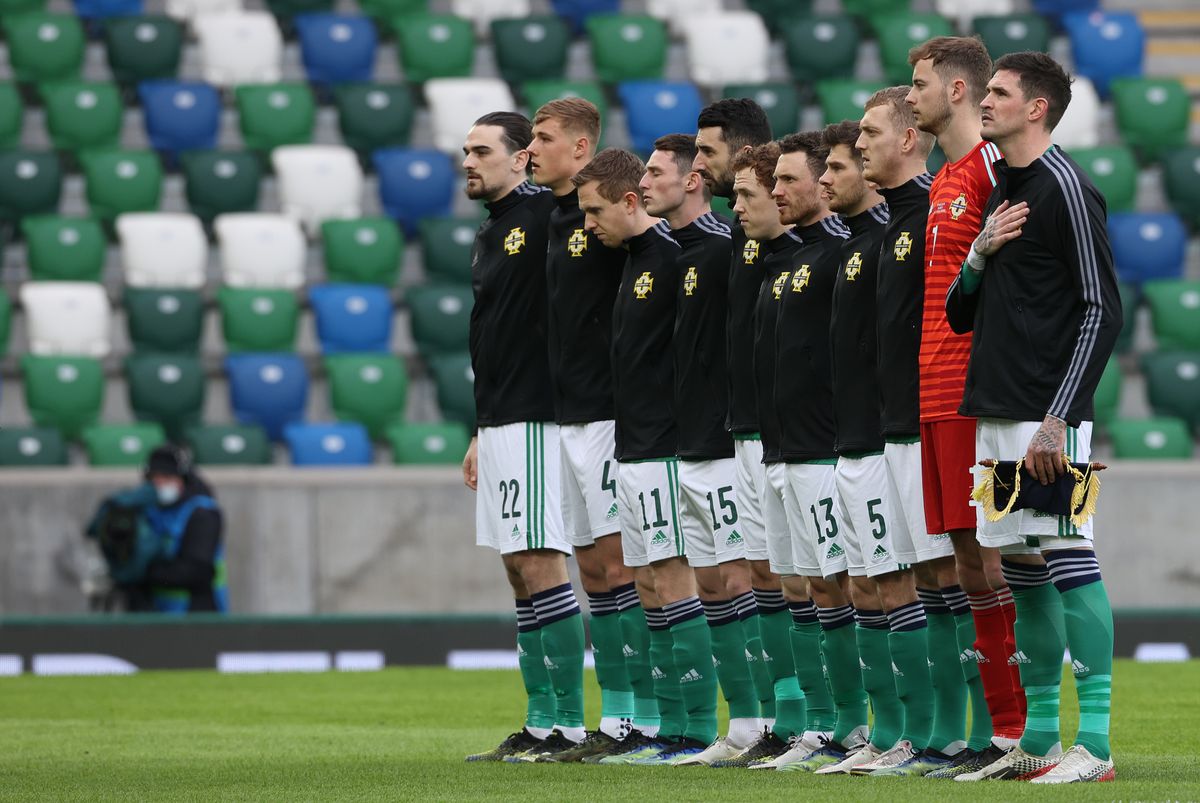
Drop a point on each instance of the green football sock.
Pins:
(809, 659)
(760, 673)
(664, 676)
(729, 650)
(790, 706)
(541, 707)
(693, 653)
(637, 665)
(910, 659)
(878, 679)
(1041, 638)
(562, 641)
(949, 686)
(842, 663)
(616, 693)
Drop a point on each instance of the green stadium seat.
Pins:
(820, 47)
(539, 93)
(778, 99)
(776, 13)
(455, 383)
(28, 447)
(122, 445)
(440, 316)
(290, 8)
(12, 115)
(371, 389)
(1114, 171)
(1013, 33)
(143, 48)
(63, 392)
(30, 183)
(1153, 114)
(229, 445)
(935, 160)
(627, 47)
(5, 321)
(254, 319)
(121, 181)
(844, 99)
(271, 115)
(1108, 393)
(44, 47)
(167, 389)
(220, 182)
(83, 114)
(364, 250)
(164, 321)
(446, 243)
(1173, 384)
(1130, 301)
(1181, 179)
(428, 443)
(373, 116)
(899, 33)
(70, 249)
(872, 9)
(434, 46)
(1150, 439)
(1175, 310)
(530, 48)
(10, 8)
(386, 12)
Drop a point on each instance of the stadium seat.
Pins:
(1056, 8)
(383, 11)
(578, 12)
(1175, 311)
(371, 389)
(1013, 33)
(778, 99)
(143, 48)
(229, 445)
(428, 443)
(676, 14)
(627, 47)
(1173, 384)
(271, 115)
(5, 321)
(373, 116)
(180, 115)
(362, 251)
(727, 46)
(440, 316)
(121, 445)
(414, 183)
(11, 8)
(163, 249)
(121, 181)
(44, 47)
(261, 249)
(28, 447)
(336, 48)
(1147, 245)
(446, 244)
(1114, 171)
(1080, 124)
(167, 389)
(434, 46)
(352, 317)
(844, 100)
(12, 115)
(188, 10)
(65, 393)
(964, 11)
(289, 11)
(30, 183)
(270, 390)
(654, 108)
(530, 49)
(67, 318)
(485, 12)
(820, 47)
(1181, 180)
(1105, 45)
(539, 93)
(1108, 393)
(899, 33)
(106, 9)
(1150, 439)
(455, 383)
(64, 248)
(317, 183)
(256, 319)
(82, 114)
(871, 10)
(1152, 114)
(342, 444)
(776, 13)
(164, 321)
(243, 47)
(219, 182)
(455, 103)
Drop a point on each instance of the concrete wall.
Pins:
(303, 541)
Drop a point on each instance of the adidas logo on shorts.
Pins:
(691, 676)
(733, 539)
(880, 553)
(1018, 657)
(835, 551)
(612, 512)
(1078, 667)
(659, 539)
(516, 533)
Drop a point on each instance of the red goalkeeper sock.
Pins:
(991, 629)
(1010, 643)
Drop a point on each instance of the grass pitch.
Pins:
(401, 734)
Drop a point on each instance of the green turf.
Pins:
(402, 734)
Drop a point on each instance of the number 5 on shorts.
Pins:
(878, 523)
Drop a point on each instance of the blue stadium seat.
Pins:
(341, 444)
(180, 115)
(99, 9)
(1147, 245)
(1057, 8)
(352, 317)
(1105, 46)
(267, 389)
(576, 12)
(336, 48)
(654, 108)
(416, 183)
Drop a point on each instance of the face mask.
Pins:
(167, 494)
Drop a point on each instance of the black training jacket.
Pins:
(776, 269)
(1047, 313)
(745, 281)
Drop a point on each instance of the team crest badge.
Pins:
(750, 252)
(958, 206)
(643, 286)
(801, 278)
(854, 266)
(689, 281)
(903, 246)
(779, 283)
(577, 244)
(514, 241)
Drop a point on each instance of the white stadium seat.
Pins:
(676, 13)
(163, 249)
(260, 249)
(318, 182)
(239, 48)
(963, 11)
(67, 318)
(1079, 127)
(484, 11)
(456, 103)
(188, 10)
(729, 47)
